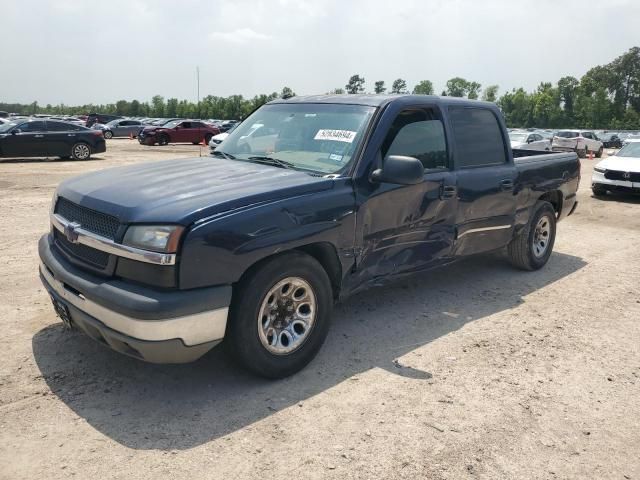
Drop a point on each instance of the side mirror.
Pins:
(399, 170)
(15, 131)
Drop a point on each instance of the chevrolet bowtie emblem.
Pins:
(70, 232)
(626, 175)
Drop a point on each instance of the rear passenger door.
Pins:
(60, 137)
(486, 180)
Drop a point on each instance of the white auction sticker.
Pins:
(336, 135)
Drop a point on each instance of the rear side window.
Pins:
(37, 126)
(62, 127)
(478, 137)
(420, 134)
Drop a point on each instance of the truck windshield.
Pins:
(315, 137)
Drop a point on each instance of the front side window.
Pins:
(420, 134)
(315, 137)
(37, 126)
(478, 137)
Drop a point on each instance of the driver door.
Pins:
(26, 140)
(406, 228)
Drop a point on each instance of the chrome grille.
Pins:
(619, 175)
(90, 220)
(89, 255)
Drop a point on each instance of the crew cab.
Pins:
(177, 131)
(581, 142)
(254, 245)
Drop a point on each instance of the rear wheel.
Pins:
(280, 315)
(533, 246)
(80, 151)
(108, 134)
(599, 154)
(207, 138)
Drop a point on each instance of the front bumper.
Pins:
(157, 326)
(598, 178)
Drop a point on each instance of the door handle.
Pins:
(38, 136)
(71, 134)
(506, 185)
(448, 191)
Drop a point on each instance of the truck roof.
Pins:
(375, 100)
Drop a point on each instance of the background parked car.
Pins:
(619, 172)
(100, 118)
(42, 138)
(178, 131)
(227, 125)
(610, 140)
(580, 141)
(122, 128)
(529, 141)
(631, 138)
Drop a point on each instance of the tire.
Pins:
(598, 190)
(163, 139)
(207, 138)
(108, 134)
(582, 153)
(531, 249)
(81, 151)
(262, 343)
(599, 153)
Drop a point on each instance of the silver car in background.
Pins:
(529, 141)
(122, 127)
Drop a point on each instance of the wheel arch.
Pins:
(555, 198)
(324, 252)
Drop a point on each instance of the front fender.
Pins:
(219, 250)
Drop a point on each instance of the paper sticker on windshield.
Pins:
(336, 135)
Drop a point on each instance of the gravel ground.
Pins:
(473, 371)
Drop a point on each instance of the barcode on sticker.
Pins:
(336, 135)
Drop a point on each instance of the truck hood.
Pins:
(183, 191)
(623, 164)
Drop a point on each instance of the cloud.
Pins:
(241, 35)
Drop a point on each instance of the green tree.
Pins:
(172, 107)
(157, 103)
(337, 91)
(379, 87)
(424, 87)
(287, 93)
(473, 90)
(490, 93)
(399, 86)
(457, 87)
(355, 85)
(567, 88)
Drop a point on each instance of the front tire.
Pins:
(80, 151)
(163, 139)
(280, 315)
(531, 249)
(582, 153)
(598, 190)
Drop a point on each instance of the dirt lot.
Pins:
(474, 371)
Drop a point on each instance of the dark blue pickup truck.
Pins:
(309, 200)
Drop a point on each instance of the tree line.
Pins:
(606, 97)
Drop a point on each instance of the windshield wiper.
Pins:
(276, 162)
(228, 156)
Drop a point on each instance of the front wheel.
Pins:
(598, 190)
(531, 249)
(280, 315)
(163, 139)
(582, 153)
(80, 151)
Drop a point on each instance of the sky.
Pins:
(83, 51)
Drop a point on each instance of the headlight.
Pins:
(54, 199)
(599, 169)
(158, 238)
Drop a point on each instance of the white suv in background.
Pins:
(580, 141)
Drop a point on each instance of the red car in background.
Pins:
(178, 131)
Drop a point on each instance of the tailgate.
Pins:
(565, 142)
